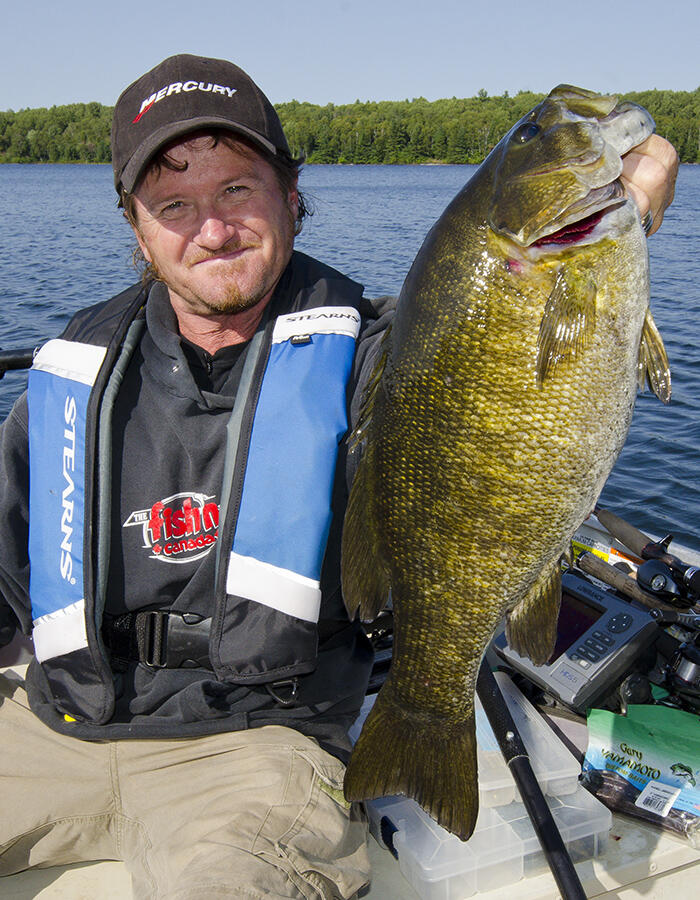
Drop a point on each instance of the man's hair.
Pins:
(286, 169)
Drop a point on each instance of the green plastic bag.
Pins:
(647, 764)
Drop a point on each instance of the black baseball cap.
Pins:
(185, 93)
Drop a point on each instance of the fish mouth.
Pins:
(573, 233)
(580, 219)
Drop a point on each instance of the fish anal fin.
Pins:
(531, 627)
(653, 367)
(568, 320)
(405, 752)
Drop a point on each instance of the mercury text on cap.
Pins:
(186, 86)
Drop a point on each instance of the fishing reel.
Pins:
(680, 675)
(672, 663)
(673, 582)
(670, 591)
(661, 574)
(676, 668)
(667, 578)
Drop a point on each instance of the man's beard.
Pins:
(230, 298)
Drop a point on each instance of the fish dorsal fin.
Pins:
(357, 435)
(568, 320)
(653, 365)
(365, 578)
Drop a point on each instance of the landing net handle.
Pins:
(516, 757)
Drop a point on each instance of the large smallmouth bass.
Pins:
(501, 401)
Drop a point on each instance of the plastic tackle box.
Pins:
(503, 849)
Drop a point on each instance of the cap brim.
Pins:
(133, 169)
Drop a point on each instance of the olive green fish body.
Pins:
(508, 382)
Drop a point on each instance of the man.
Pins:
(195, 671)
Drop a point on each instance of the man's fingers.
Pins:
(649, 174)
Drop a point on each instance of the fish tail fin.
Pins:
(400, 752)
(531, 627)
(364, 576)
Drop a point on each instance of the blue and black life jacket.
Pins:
(276, 505)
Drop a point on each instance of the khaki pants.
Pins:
(256, 813)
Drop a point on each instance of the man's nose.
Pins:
(214, 232)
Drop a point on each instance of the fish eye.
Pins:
(526, 132)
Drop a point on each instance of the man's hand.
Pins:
(649, 175)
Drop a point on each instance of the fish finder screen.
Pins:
(575, 618)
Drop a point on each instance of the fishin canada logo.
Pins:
(178, 529)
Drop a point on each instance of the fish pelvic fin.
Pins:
(531, 627)
(401, 751)
(568, 320)
(653, 367)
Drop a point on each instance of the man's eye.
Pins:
(171, 207)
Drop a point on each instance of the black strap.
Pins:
(161, 639)
(165, 639)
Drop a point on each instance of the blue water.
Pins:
(65, 245)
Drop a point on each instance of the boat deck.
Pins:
(639, 862)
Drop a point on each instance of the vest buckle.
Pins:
(172, 640)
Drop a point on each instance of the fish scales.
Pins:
(505, 394)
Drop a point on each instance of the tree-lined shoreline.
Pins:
(407, 131)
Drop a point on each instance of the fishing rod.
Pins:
(593, 565)
(16, 359)
(657, 558)
(517, 759)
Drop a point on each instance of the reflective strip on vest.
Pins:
(60, 382)
(285, 509)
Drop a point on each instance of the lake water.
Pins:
(65, 245)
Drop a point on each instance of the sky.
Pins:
(339, 51)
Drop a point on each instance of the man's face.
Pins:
(220, 232)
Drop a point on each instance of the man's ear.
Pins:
(293, 201)
(142, 243)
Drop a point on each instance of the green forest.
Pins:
(409, 131)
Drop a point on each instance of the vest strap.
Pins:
(160, 639)
(163, 639)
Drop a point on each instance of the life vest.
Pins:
(289, 416)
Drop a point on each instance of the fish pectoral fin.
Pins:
(568, 320)
(531, 627)
(408, 751)
(653, 367)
